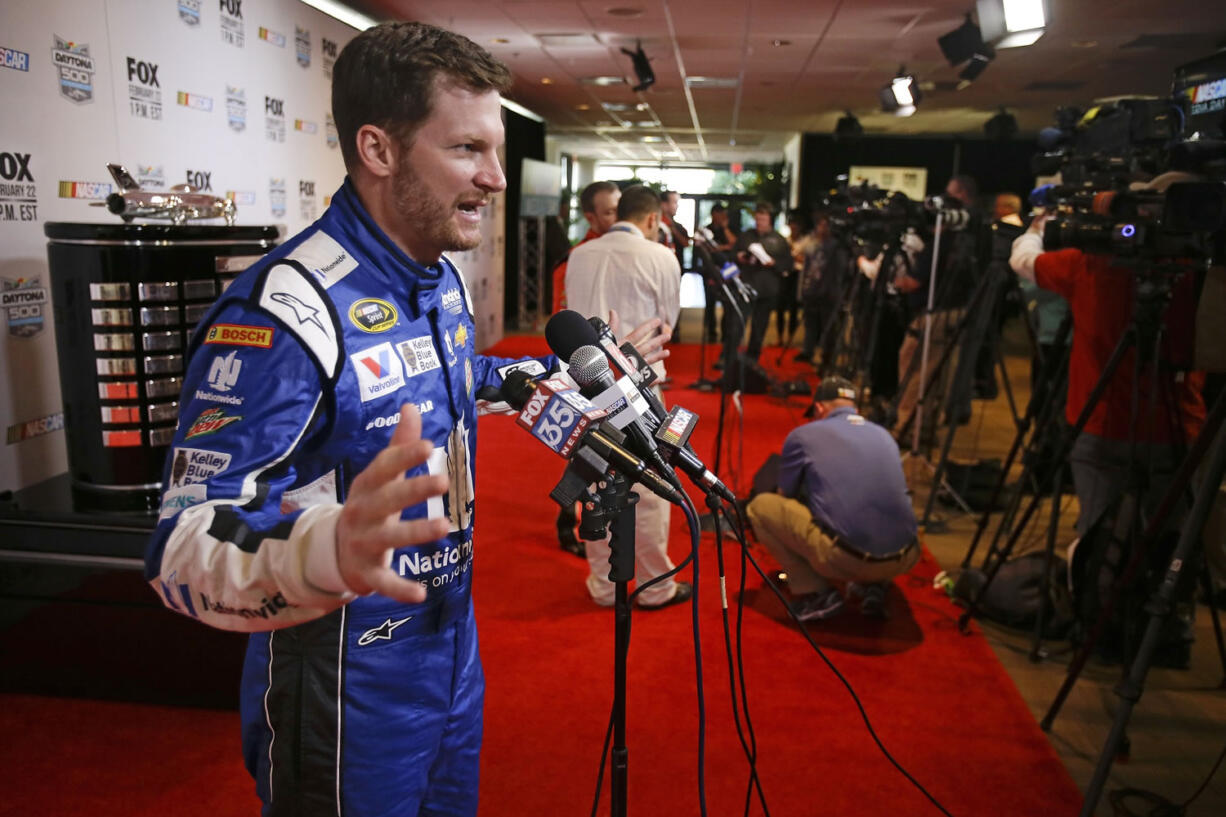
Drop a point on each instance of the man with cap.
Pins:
(841, 512)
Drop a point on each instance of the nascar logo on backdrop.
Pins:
(93, 191)
(232, 22)
(189, 12)
(197, 102)
(273, 37)
(22, 301)
(34, 428)
(302, 44)
(303, 126)
(236, 108)
(17, 60)
(75, 68)
(243, 198)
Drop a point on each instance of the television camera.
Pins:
(1105, 153)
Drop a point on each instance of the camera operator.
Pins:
(823, 277)
(956, 277)
(1100, 293)
(763, 274)
(841, 510)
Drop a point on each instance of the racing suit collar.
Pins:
(420, 284)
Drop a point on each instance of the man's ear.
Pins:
(378, 153)
(653, 224)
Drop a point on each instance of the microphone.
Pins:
(683, 455)
(567, 422)
(622, 399)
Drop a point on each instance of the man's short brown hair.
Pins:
(386, 77)
(637, 201)
(587, 199)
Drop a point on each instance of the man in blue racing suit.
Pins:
(319, 491)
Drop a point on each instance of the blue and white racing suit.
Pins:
(350, 705)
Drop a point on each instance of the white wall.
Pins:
(241, 100)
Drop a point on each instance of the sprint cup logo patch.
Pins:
(372, 315)
(232, 334)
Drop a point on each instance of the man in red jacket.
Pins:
(599, 204)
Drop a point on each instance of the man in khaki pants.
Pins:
(841, 512)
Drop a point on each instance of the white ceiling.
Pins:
(795, 65)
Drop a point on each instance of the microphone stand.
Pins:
(611, 508)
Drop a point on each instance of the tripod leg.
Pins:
(1129, 691)
(1037, 653)
(1207, 585)
(1156, 523)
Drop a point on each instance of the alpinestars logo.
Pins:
(144, 89)
(18, 193)
(75, 68)
(23, 301)
(381, 633)
(302, 45)
(236, 108)
(232, 22)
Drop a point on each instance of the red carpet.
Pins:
(940, 701)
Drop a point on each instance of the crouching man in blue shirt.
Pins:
(841, 513)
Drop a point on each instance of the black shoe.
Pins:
(683, 593)
(801, 357)
(718, 365)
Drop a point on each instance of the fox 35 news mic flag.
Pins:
(571, 426)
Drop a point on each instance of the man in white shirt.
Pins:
(627, 271)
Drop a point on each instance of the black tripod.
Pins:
(1160, 606)
(977, 326)
(1144, 333)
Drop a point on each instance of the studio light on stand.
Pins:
(1011, 23)
(642, 67)
(901, 95)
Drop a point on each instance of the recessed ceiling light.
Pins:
(583, 106)
(642, 106)
(624, 11)
(1084, 43)
(500, 41)
(546, 81)
(602, 80)
(651, 138)
(615, 106)
(780, 43)
(711, 82)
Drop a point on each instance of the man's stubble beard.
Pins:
(426, 216)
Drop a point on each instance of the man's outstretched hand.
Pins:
(648, 337)
(370, 527)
